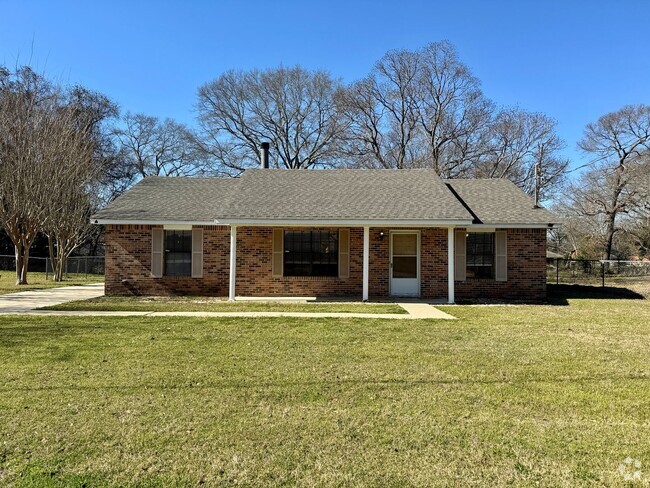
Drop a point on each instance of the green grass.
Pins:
(207, 304)
(506, 395)
(37, 281)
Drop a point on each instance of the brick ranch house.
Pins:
(327, 233)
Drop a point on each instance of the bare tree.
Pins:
(292, 108)
(453, 110)
(616, 182)
(49, 141)
(417, 109)
(382, 114)
(27, 130)
(73, 167)
(152, 147)
(523, 147)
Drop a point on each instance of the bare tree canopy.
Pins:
(292, 108)
(152, 147)
(616, 186)
(426, 109)
(521, 145)
(27, 132)
(48, 147)
(418, 109)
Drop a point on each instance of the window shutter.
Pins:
(157, 252)
(344, 253)
(197, 253)
(501, 244)
(460, 252)
(278, 253)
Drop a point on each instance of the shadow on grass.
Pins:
(559, 294)
(236, 384)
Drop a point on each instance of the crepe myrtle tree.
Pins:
(28, 135)
(294, 109)
(72, 169)
(48, 146)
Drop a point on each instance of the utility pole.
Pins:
(538, 181)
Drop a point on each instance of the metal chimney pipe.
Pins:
(264, 155)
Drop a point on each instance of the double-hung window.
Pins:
(480, 255)
(178, 253)
(311, 253)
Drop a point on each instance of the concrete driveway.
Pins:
(26, 301)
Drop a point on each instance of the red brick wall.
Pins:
(433, 263)
(128, 266)
(526, 251)
(254, 273)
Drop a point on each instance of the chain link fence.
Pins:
(76, 266)
(633, 276)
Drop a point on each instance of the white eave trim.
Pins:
(550, 225)
(328, 223)
(342, 222)
(151, 222)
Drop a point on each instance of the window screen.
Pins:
(178, 252)
(311, 253)
(480, 255)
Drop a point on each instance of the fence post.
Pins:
(557, 271)
(602, 271)
(86, 263)
(46, 269)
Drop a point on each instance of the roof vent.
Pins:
(264, 155)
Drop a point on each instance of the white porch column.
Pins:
(366, 262)
(233, 262)
(451, 258)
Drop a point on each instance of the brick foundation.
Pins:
(128, 266)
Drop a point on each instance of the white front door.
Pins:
(405, 263)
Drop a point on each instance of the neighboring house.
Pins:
(327, 233)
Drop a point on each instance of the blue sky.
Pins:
(574, 60)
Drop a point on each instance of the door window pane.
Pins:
(405, 267)
(405, 244)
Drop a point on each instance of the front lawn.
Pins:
(37, 281)
(208, 304)
(526, 395)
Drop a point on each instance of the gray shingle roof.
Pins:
(278, 194)
(294, 195)
(499, 201)
(170, 199)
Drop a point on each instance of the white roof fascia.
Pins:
(343, 222)
(151, 222)
(550, 225)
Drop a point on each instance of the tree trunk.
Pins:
(60, 267)
(23, 272)
(611, 230)
(19, 263)
(22, 261)
(53, 260)
(58, 257)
